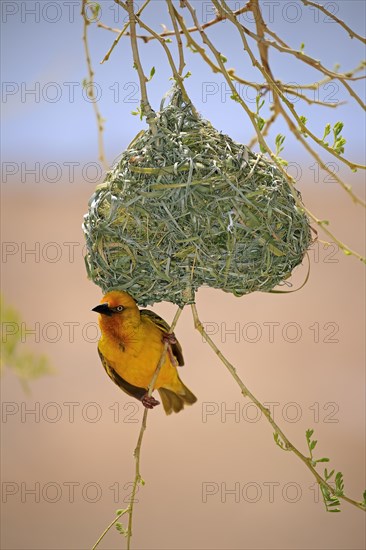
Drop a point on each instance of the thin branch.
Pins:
(261, 139)
(102, 25)
(195, 46)
(146, 109)
(342, 77)
(323, 224)
(278, 106)
(273, 85)
(292, 91)
(302, 56)
(168, 33)
(293, 128)
(123, 512)
(121, 33)
(247, 393)
(178, 78)
(98, 116)
(352, 33)
(191, 43)
(178, 37)
(287, 88)
(307, 99)
(220, 63)
(316, 85)
(137, 452)
(263, 52)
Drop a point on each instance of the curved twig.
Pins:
(145, 104)
(98, 116)
(289, 446)
(121, 32)
(261, 139)
(137, 452)
(352, 33)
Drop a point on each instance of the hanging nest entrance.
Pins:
(189, 207)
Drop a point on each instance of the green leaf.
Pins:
(313, 444)
(279, 442)
(322, 460)
(121, 529)
(309, 433)
(337, 128)
(15, 355)
(326, 131)
(304, 120)
(339, 145)
(95, 9)
(339, 141)
(339, 483)
(261, 122)
(328, 476)
(152, 72)
(137, 112)
(279, 142)
(259, 103)
(262, 149)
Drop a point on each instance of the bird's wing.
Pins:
(134, 391)
(164, 327)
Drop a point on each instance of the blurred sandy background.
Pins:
(214, 480)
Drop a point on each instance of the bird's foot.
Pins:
(169, 337)
(149, 401)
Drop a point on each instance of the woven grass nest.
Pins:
(189, 207)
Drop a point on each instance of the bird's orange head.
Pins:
(117, 309)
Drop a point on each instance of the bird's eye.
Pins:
(119, 308)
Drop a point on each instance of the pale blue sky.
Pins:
(48, 57)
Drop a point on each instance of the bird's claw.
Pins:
(149, 401)
(169, 337)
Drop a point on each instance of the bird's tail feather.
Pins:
(174, 401)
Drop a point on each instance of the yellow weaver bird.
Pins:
(130, 347)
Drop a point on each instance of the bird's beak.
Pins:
(103, 309)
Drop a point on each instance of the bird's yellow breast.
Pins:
(135, 354)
